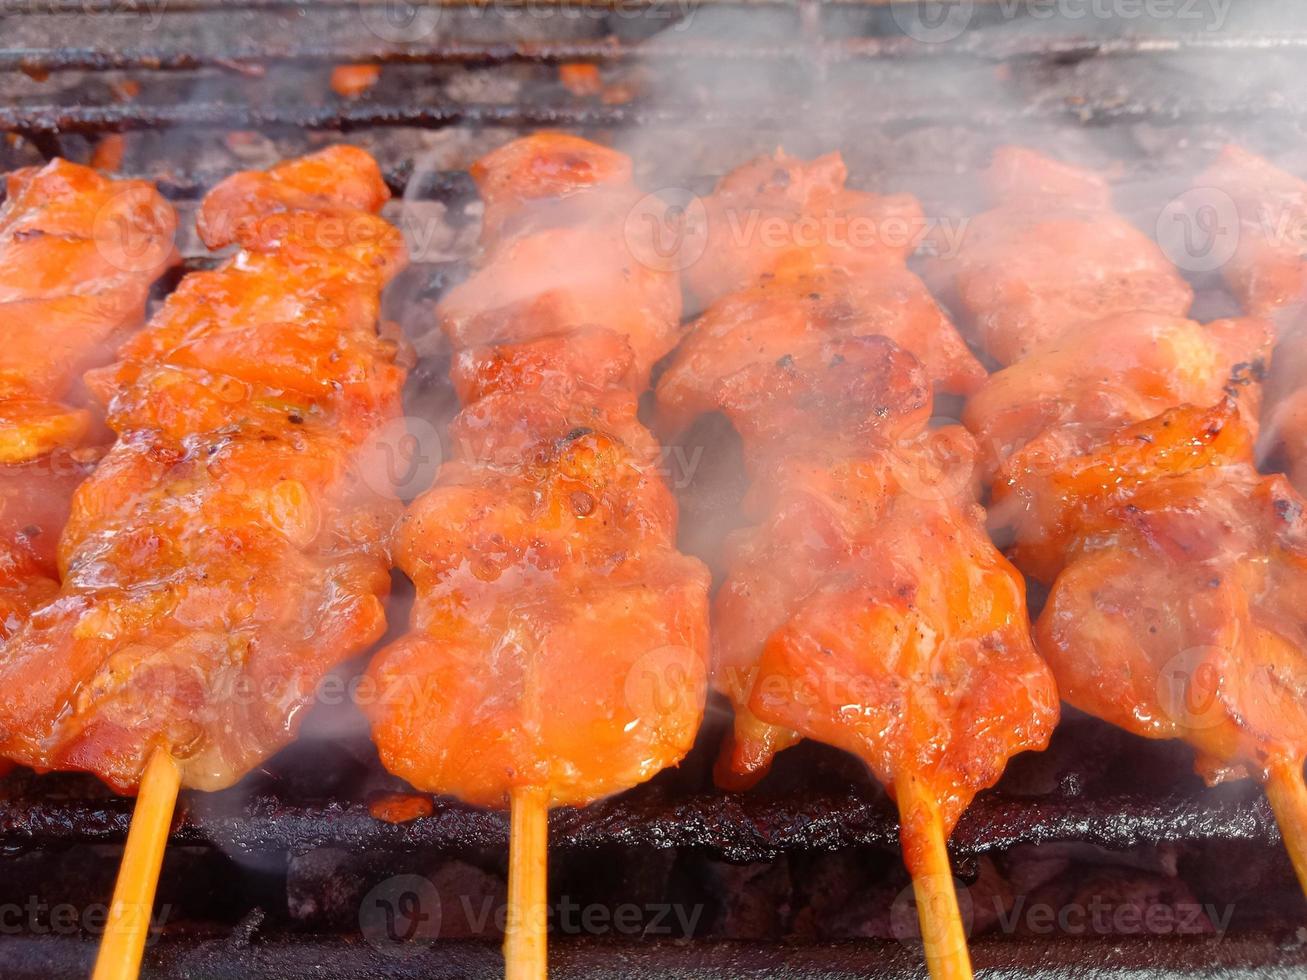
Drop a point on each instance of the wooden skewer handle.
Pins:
(128, 925)
(925, 849)
(1288, 795)
(525, 950)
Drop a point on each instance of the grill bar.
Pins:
(979, 46)
(282, 957)
(738, 828)
(53, 120)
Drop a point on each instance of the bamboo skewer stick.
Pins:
(1288, 795)
(924, 846)
(128, 924)
(525, 950)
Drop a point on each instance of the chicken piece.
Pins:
(559, 642)
(1050, 258)
(1180, 617)
(779, 213)
(231, 547)
(867, 607)
(1124, 453)
(766, 321)
(560, 253)
(78, 254)
(1131, 383)
(1267, 271)
(805, 354)
(1053, 492)
(1268, 274)
(1126, 369)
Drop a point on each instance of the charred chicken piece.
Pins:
(78, 254)
(559, 643)
(231, 547)
(1179, 616)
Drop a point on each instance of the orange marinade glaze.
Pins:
(78, 254)
(229, 549)
(559, 641)
(866, 607)
(1268, 274)
(1122, 453)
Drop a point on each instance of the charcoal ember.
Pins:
(611, 877)
(1255, 883)
(1106, 901)
(847, 894)
(989, 896)
(473, 901)
(325, 887)
(752, 901)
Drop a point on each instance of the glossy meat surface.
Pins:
(793, 257)
(1267, 271)
(231, 547)
(1050, 258)
(559, 641)
(1082, 389)
(78, 254)
(778, 213)
(1268, 274)
(1180, 616)
(1123, 453)
(864, 605)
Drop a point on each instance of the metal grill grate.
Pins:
(207, 68)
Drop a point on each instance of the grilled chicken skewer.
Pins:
(78, 254)
(1122, 458)
(559, 644)
(866, 607)
(229, 550)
